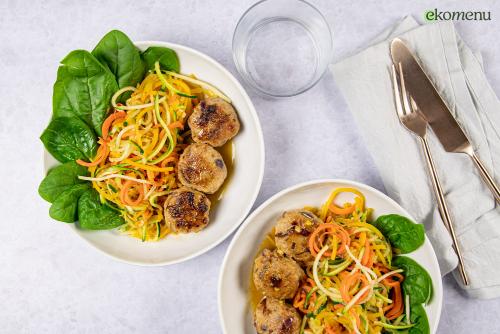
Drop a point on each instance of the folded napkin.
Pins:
(365, 82)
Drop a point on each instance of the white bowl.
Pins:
(234, 307)
(240, 192)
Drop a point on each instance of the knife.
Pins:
(435, 110)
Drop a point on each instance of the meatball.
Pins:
(292, 233)
(202, 168)
(213, 122)
(273, 316)
(186, 210)
(276, 276)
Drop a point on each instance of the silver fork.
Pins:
(413, 121)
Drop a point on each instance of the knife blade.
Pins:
(431, 104)
(435, 110)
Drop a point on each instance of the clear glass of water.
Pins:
(282, 47)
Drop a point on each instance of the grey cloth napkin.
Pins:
(364, 80)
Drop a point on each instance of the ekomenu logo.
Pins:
(437, 15)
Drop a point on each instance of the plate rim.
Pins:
(261, 166)
(437, 293)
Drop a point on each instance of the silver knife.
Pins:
(435, 110)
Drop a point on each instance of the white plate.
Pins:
(234, 308)
(240, 192)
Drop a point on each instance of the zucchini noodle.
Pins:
(134, 169)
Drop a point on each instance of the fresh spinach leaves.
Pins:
(81, 99)
(65, 206)
(417, 283)
(63, 188)
(403, 234)
(406, 236)
(166, 57)
(119, 54)
(68, 139)
(73, 199)
(418, 317)
(94, 215)
(83, 89)
(59, 179)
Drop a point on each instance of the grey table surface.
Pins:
(52, 282)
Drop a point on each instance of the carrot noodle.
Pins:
(111, 118)
(102, 153)
(176, 125)
(351, 286)
(348, 207)
(142, 139)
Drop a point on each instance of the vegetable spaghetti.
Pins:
(350, 284)
(134, 168)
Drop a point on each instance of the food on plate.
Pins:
(186, 210)
(202, 168)
(275, 316)
(120, 129)
(292, 233)
(275, 275)
(355, 279)
(214, 122)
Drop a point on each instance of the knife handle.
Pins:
(490, 182)
(443, 207)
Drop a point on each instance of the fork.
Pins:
(411, 118)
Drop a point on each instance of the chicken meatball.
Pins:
(273, 316)
(213, 122)
(202, 168)
(276, 276)
(292, 233)
(186, 210)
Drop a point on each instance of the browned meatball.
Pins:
(292, 233)
(274, 316)
(213, 122)
(202, 168)
(276, 276)
(186, 210)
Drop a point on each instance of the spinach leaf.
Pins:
(419, 318)
(402, 233)
(167, 57)
(59, 179)
(93, 215)
(83, 89)
(68, 139)
(123, 59)
(417, 283)
(65, 206)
